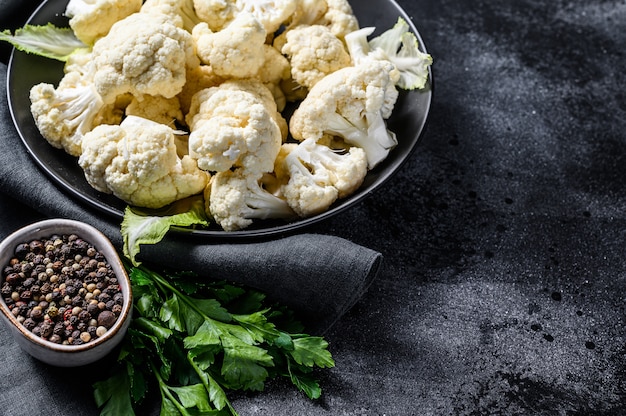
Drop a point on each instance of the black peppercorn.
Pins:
(77, 301)
(6, 290)
(59, 328)
(118, 298)
(27, 268)
(36, 247)
(21, 250)
(36, 314)
(35, 290)
(46, 329)
(45, 289)
(56, 296)
(84, 316)
(38, 259)
(36, 330)
(93, 309)
(12, 278)
(92, 331)
(104, 297)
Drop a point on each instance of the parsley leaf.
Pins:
(113, 394)
(311, 351)
(196, 341)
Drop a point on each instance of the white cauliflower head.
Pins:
(216, 13)
(314, 52)
(271, 13)
(351, 103)
(181, 13)
(232, 127)
(235, 51)
(92, 19)
(337, 15)
(137, 162)
(234, 199)
(314, 175)
(142, 54)
(261, 91)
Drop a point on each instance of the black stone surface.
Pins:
(504, 281)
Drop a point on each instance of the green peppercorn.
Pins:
(52, 312)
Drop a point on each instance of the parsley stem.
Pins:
(166, 393)
(206, 379)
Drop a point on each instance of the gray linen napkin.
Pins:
(319, 276)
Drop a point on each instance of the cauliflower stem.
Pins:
(370, 134)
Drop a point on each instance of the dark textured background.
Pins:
(504, 279)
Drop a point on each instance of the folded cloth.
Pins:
(319, 276)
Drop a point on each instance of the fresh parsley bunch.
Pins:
(198, 340)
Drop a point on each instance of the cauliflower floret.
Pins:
(65, 114)
(351, 103)
(234, 199)
(267, 97)
(233, 127)
(337, 15)
(181, 13)
(271, 13)
(142, 54)
(156, 108)
(91, 19)
(340, 18)
(397, 45)
(314, 176)
(314, 52)
(216, 13)
(235, 51)
(137, 162)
